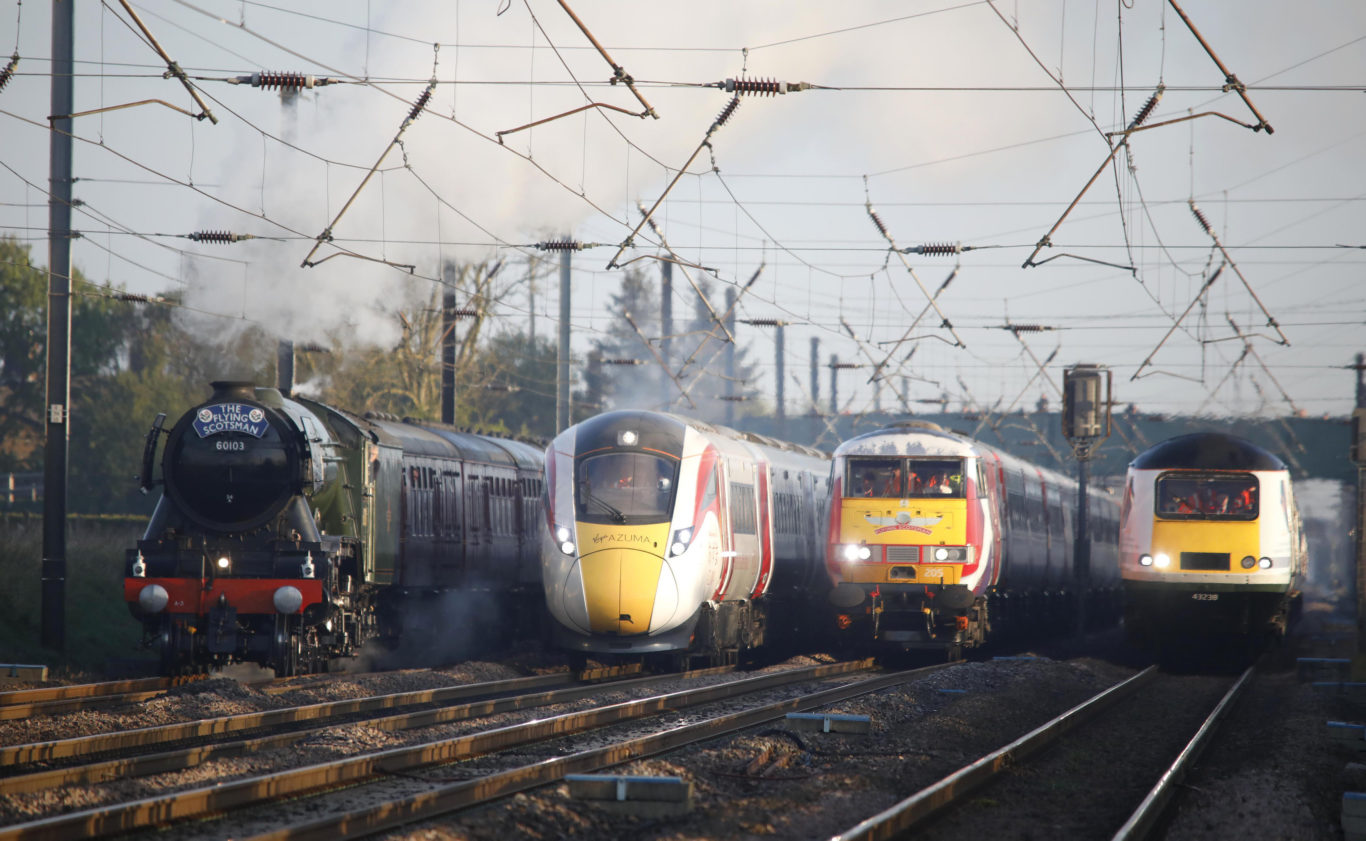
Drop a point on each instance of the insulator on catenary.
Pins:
(8, 72)
(937, 249)
(219, 236)
(765, 322)
(761, 87)
(420, 104)
(141, 299)
(1200, 217)
(1147, 110)
(877, 220)
(1029, 328)
(282, 79)
(726, 112)
(561, 245)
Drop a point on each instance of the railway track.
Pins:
(59, 700)
(1029, 783)
(417, 780)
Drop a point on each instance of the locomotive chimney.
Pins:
(284, 367)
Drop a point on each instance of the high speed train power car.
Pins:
(673, 537)
(937, 541)
(289, 532)
(1211, 543)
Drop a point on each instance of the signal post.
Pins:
(1085, 424)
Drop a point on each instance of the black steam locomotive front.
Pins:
(232, 463)
(232, 565)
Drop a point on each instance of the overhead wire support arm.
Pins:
(1209, 229)
(1231, 82)
(1177, 323)
(901, 255)
(619, 74)
(172, 69)
(659, 359)
(326, 235)
(706, 141)
(686, 274)
(1247, 345)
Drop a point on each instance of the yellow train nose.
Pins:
(619, 587)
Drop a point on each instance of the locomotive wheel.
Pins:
(172, 661)
(288, 650)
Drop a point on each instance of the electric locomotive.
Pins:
(674, 538)
(937, 541)
(290, 533)
(1211, 544)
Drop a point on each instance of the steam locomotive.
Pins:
(290, 533)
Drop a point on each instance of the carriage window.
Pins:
(1193, 496)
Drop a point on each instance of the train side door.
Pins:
(452, 516)
(744, 523)
(386, 471)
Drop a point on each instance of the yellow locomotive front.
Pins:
(1208, 549)
(903, 552)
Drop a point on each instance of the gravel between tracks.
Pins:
(1276, 778)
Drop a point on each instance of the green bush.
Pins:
(98, 626)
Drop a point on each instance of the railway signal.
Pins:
(1085, 423)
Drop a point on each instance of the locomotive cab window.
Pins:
(876, 477)
(1188, 496)
(935, 478)
(625, 487)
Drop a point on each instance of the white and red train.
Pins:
(937, 541)
(673, 537)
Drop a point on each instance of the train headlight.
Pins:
(1162, 560)
(627, 438)
(139, 567)
(1264, 563)
(223, 563)
(153, 598)
(564, 537)
(288, 600)
(1249, 562)
(679, 545)
(957, 554)
(849, 552)
(1145, 560)
(864, 553)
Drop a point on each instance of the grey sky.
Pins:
(947, 116)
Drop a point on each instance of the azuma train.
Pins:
(1211, 544)
(289, 533)
(937, 541)
(673, 539)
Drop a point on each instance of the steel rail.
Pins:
(919, 806)
(456, 796)
(224, 796)
(158, 763)
(14, 755)
(14, 712)
(1145, 817)
(88, 690)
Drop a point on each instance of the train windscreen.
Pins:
(625, 487)
(902, 478)
(1186, 496)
